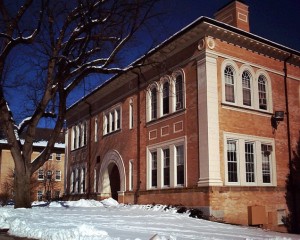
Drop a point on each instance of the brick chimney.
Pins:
(236, 14)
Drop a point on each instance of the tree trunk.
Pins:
(22, 188)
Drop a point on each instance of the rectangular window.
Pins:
(266, 162)
(57, 175)
(49, 174)
(166, 155)
(112, 117)
(58, 156)
(41, 174)
(118, 122)
(95, 180)
(180, 164)
(51, 156)
(96, 129)
(179, 92)
(153, 103)
(232, 161)
(131, 115)
(40, 195)
(154, 169)
(130, 175)
(249, 161)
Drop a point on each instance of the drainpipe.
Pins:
(294, 210)
(89, 141)
(138, 137)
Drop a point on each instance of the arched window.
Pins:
(229, 84)
(153, 98)
(262, 92)
(166, 100)
(246, 82)
(179, 92)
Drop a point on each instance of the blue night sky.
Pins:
(275, 20)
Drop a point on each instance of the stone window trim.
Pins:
(112, 120)
(242, 174)
(167, 103)
(239, 90)
(159, 149)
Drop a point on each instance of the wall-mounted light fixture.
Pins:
(277, 117)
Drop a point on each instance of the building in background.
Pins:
(209, 121)
(48, 181)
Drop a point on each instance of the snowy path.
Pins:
(91, 220)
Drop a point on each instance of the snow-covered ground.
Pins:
(107, 220)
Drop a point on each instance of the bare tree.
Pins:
(69, 40)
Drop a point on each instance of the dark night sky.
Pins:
(275, 20)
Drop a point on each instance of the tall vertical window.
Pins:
(57, 175)
(95, 180)
(229, 84)
(246, 82)
(74, 137)
(262, 92)
(83, 180)
(166, 162)
(84, 132)
(153, 169)
(180, 164)
(96, 129)
(130, 114)
(112, 121)
(40, 195)
(41, 174)
(58, 156)
(232, 161)
(266, 163)
(49, 174)
(153, 103)
(249, 161)
(79, 136)
(166, 99)
(73, 181)
(118, 119)
(130, 175)
(179, 92)
(78, 180)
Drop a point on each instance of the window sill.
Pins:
(111, 133)
(164, 117)
(246, 109)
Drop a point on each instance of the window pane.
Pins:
(153, 103)
(154, 169)
(166, 153)
(180, 164)
(232, 161)
(166, 98)
(246, 80)
(262, 92)
(266, 164)
(249, 160)
(229, 84)
(179, 92)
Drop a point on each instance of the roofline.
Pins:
(198, 21)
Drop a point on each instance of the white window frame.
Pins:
(159, 95)
(241, 168)
(130, 175)
(112, 116)
(131, 114)
(42, 174)
(57, 175)
(173, 163)
(58, 157)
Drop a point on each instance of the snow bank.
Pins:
(108, 220)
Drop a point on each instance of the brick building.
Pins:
(208, 121)
(48, 181)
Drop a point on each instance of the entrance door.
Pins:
(114, 179)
